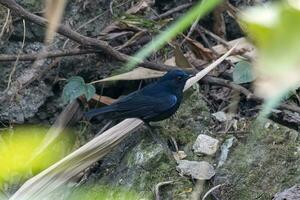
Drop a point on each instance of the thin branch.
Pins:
(211, 190)
(53, 54)
(158, 186)
(5, 23)
(172, 11)
(246, 92)
(18, 57)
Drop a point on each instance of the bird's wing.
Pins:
(143, 106)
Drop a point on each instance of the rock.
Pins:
(179, 155)
(220, 116)
(292, 193)
(197, 170)
(26, 105)
(206, 145)
(225, 150)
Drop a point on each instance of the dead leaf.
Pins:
(139, 73)
(244, 46)
(200, 51)
(140, 6)
(180, 60)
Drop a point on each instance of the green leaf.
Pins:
(89, 91)
(76, 87)
(243, 73)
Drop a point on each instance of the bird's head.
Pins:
(175, 79)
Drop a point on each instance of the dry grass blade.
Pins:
(205, 71)
(54, 12)
(58, 174)
(139, 73)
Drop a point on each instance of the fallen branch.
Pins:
(246, 92)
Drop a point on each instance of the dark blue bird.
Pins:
(154, 102)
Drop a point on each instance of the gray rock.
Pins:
(292, 193)
(206, 145)
(25, 105)
(198, 170)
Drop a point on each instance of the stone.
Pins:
(206, 145)
(197, 170)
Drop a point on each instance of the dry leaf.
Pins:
(139, 73)
(140, 6)
(244, 46)
(200, 51)
(180, 59)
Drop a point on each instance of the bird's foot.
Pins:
(159, 140)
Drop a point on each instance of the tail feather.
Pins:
(98, 111)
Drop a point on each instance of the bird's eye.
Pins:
(179, 78)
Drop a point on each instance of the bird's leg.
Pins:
(105, 127)
(158, 139)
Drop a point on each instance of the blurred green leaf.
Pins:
(274, 30)
(18, 144)
(243, 73)
(76, 87)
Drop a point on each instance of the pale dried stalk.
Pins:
(54, 12)
(58, 174)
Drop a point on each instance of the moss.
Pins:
(31, 5)
(102, 192)
(266, 164)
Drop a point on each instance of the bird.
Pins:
(155, 102)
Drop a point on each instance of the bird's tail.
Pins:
(98, 111)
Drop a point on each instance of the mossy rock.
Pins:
(266, 163)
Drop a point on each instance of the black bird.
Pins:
(154, 102)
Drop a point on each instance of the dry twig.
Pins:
(157, 187)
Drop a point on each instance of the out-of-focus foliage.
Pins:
(243, 73)
(107, 193)
(275, 31)
(77, 87)
(17, 145)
